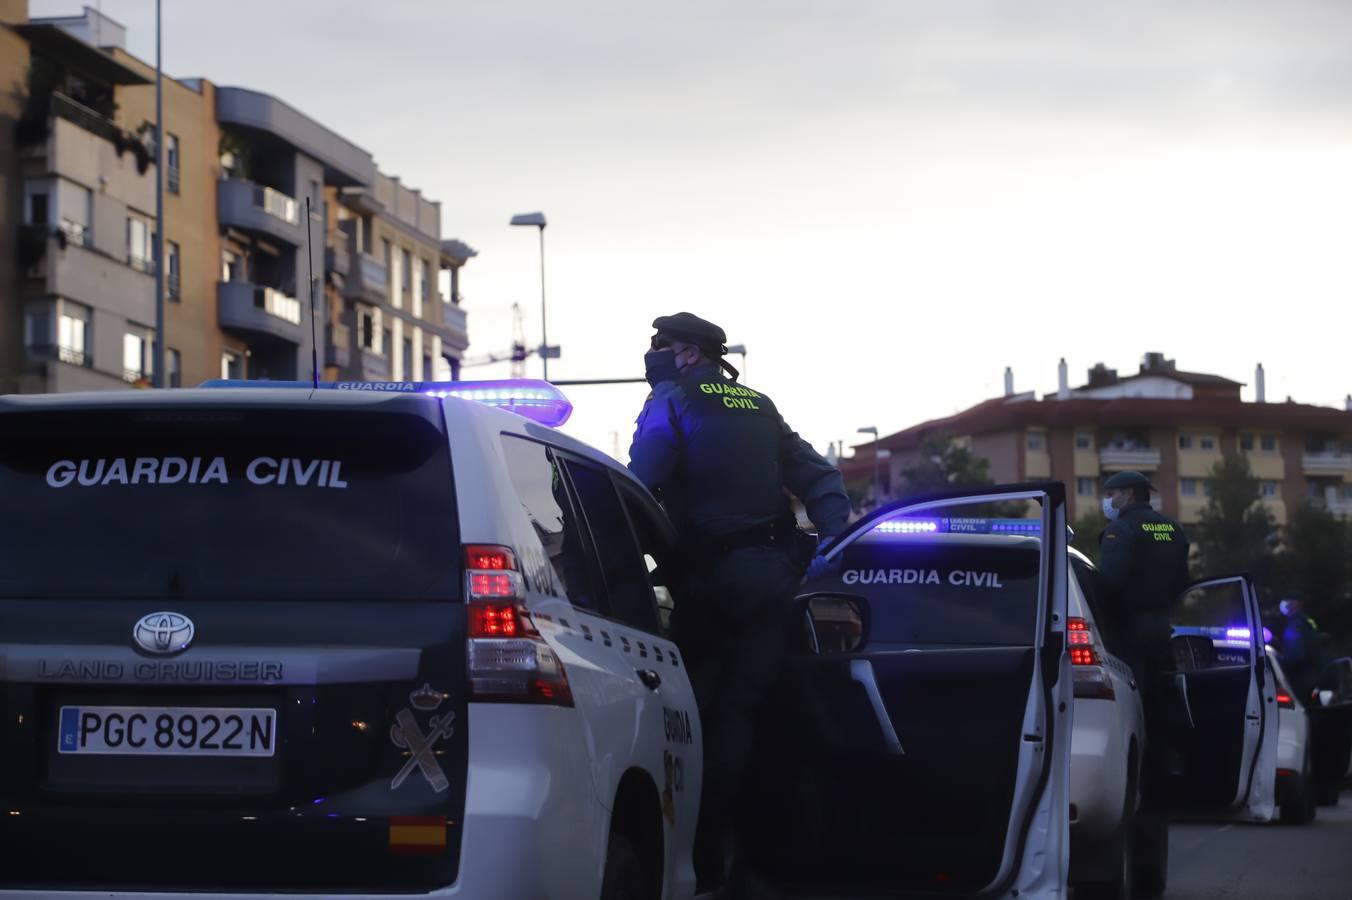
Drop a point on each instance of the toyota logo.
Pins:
(163, 632)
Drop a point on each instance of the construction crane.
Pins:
(518, 354)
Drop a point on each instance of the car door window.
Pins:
(538, 478)
(659, 558)
(629, 592)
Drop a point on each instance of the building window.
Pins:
(171, 162)
(37, 331)
(232, 267)
(387, 344)
(74, 212)
(72, 334)
(1086, 487)
(1185, 442)
(232, 365)
(419, 279)
(1269, 489)
(1269, 443)
(1206, 487)
(1188, 486)
(1207, 442)
(408, 358)
(136, 351)
(407, 270)
(427, 368)
(140, 246)
(1246, 442)
(36, 213)
(174, 283)
(174, 363)
(1036, 440)
(1084, 440)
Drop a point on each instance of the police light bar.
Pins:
(906, 525)
(538, 401)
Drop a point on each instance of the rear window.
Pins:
(946, 593)
(226, 504)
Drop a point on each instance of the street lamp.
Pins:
(739, 350)
(877, 475)
(537, 220)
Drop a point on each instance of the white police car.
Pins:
(263, 639)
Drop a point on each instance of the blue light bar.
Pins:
(908, 525)
(539, 401)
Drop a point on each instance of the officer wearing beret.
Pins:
(721, 459)
(1143, 559)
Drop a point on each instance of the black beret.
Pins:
(1128, 480)
(692, 329)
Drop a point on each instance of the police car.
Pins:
(389, 639)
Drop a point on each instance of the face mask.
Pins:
(1110, 511)
(660, 366)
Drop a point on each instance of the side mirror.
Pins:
(835, 623)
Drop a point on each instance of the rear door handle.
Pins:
(651, 680)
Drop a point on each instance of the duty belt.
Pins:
(780, 535)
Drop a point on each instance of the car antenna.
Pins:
(310, 264)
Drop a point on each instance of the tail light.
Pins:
(509, 662)
(1284, 700)
(1091, 679)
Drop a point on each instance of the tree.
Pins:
(1317, 560)
(945, 466)
(1087, 529)
(1236, 531)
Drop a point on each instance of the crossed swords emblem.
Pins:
(406, 735)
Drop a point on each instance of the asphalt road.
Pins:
(1264, 862)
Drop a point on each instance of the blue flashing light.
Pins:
(908, 525)
(1238, 634)
(538, 401)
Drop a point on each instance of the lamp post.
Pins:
(537, 220)
(157, 358)
(877, 476)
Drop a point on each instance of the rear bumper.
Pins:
(533, 825)
(1099, 747)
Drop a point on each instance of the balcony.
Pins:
(369, 279)
(259, 312)
(1331, 464)
(374, 367)
(261, 210)
(1129, 459)
(453, 316)
(73, 269)
(344, 162)
(338, 352)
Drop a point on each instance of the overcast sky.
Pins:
(888, 202)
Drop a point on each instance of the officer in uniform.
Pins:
(1302, 657)
(1143, 558)
(721, 459)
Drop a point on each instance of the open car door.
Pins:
(1220, 698)
(920, 741)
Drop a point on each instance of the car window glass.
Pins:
(1091, 586)
(539, 484)
(628, 591)
(657, 557)
(1215, 612)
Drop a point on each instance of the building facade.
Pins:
(1170, 424)
(77, 311)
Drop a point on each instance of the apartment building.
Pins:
(1171, 424)
(239, 167)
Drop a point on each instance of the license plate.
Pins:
(166, 731)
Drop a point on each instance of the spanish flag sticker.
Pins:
(418, 835)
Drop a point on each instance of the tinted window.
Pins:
(628, 591)
(659, 560)
(539, 484)
(1091, 585)
(180, 504)
(946, 593)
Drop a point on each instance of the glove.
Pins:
(820, 566)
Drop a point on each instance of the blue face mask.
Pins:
(1110, 511)
(660, 366)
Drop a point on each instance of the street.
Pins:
(1264, 862)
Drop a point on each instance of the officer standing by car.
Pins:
(721, 459)
(1302, 657)
(1143, 558)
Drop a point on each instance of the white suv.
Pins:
(414, 640)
